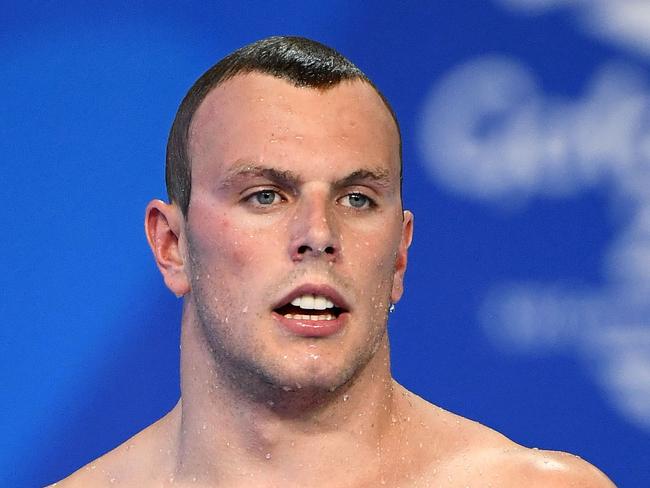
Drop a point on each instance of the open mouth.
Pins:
(310, 307)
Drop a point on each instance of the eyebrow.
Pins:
(287, 178)
(381, 177)
(280, 177)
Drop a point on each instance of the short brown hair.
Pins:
(301, 61)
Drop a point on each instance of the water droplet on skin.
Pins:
(268, 455)
(345, 397)
(112, 480)
(204, 426)
(245, 309)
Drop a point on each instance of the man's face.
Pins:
(295, 193)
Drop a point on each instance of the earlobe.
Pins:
(402, 257)
(163, 227)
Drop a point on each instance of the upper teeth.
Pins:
(312, 302)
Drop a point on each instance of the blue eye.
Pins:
(356, 200)
(266, 197)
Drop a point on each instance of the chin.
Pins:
(326, 371)
(314, 374)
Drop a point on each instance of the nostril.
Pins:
(305, 249)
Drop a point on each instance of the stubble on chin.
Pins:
(252, 371)
(245, 365)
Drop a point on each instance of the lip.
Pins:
(314, 289)
(314, 328)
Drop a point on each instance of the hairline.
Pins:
(179, 143)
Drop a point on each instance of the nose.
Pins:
(313, 230)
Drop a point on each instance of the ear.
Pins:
(163, 225)
(402, 257)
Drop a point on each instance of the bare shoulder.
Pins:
(130, 464)
(95, 474)
(464, 453)
(508, 464)
(539, 468)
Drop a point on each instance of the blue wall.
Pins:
(526, 156)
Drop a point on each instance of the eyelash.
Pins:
(370, 203)
(251, 198)
(278, 198)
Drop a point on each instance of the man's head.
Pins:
(293, 243)
(299, 61)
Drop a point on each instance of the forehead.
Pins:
(263, 119)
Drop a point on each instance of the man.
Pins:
(285, 235)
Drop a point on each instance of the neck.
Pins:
(229, 436)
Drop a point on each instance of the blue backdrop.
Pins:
(527, 165)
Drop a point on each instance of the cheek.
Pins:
(372, 263)
(372, 250)
(230, 244)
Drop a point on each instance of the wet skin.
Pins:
(296, 191)
(291, 187)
